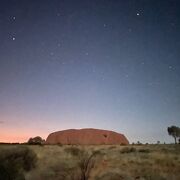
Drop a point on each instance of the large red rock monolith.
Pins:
(86, 137)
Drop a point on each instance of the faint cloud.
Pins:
(1, 122)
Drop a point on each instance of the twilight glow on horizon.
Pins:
(105, 64)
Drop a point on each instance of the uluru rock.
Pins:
(86, 137)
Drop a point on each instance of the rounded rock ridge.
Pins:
(87, 136)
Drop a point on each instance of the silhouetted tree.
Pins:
(174, 131)
(139, 143)
(36, 141)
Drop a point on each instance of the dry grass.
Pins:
(104, 162)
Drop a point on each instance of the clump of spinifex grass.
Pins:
(15, 162)
(144, 150)
(73, 151)
(128, 150)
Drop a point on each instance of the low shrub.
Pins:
(128, 150)
(14, 162)
(86, 163)
(123, 144)
(144, 150)
(73, 151)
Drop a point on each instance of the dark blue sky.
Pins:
(109, 64)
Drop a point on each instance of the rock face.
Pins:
(86, 137)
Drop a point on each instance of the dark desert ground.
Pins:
(96, 162)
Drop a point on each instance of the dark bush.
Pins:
(128, 150)
(123, 144)
(144, 150)
(139, 143)
(36, 141)
(14, 162)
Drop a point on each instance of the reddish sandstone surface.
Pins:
(86, 137)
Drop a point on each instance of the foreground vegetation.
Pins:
(57, 162)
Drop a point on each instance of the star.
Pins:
(52, 54)
(130, 30)
(171, 68)
(13, 38)
(137, 14)
(14, 17)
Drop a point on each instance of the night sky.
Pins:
(106, 64)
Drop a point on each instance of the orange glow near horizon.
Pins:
(13, 139)
(14, 130)
(19, 137)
